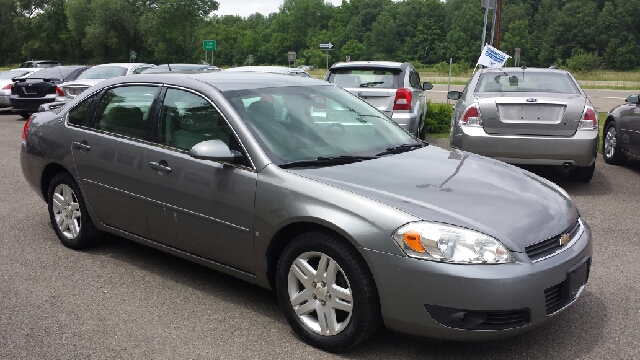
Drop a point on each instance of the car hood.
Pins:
(454, 187)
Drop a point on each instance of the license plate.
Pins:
(577, 276)
(29, 91)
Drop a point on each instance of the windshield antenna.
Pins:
(169, 66)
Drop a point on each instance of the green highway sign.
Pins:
(209, 45)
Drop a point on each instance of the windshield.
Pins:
(103, 72)
(353, 78)
(13, 74)
(526, 81)
(311, 122)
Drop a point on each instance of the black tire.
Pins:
(582, 173)
(422, 129)
(25, 115)
(87, 234)
(611, 150)
(365, 315)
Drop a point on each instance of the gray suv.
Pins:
(393, 88)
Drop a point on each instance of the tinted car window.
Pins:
(57, 72)
(188, 119)
(81, 114)
(526, 81)
(379, 78)
(13, 74)
(103, 72)
(125, 110)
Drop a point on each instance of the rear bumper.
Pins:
(29, 104)
(4, 98)
(408, 120)
(578, 150)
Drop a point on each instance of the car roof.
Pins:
(370, 64)
(269, 69)
(543, 70)
(126, 65)
(223, 80)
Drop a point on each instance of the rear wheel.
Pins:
(422, 129)
(68, 213)
(611, 151)
(326, 292)
(24, 114)
(582, 173)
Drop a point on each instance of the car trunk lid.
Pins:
(381, 99)
(33, 89)
(541, 114)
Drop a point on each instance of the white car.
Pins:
(6, 82)
(87, 79)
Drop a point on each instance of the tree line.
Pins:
(582, 34)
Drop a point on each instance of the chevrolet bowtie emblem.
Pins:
(564, 239)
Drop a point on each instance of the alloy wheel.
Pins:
(610, 142)
(66, 211)
(320, 293)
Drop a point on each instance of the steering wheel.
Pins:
(334, 130)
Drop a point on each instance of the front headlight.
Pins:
(446, 243)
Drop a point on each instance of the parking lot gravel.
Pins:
(124, 300)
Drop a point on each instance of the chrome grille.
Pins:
(552, 245)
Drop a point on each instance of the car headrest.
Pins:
(261, 110)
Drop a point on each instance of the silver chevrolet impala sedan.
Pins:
(353, 222)
(527, 116)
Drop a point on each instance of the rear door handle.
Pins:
(160, 166)
(81, 145)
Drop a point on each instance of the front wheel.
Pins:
(611, 151)
(582, 173)
(326, 292)
(68, 213)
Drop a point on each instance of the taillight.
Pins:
(589, 118)
(59, 91)
(403, 99)
(8, 87)
(471, 117)
(26, 128)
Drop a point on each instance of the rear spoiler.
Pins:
(51, 106)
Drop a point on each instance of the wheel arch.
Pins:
(288, 233)
(608, 121)
(48, 173)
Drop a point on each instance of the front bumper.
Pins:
(29, 104)
(579, 150)
(408, 287)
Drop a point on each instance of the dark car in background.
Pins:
(40, 88)
(392, 88)
(40, 64)
(621, 135)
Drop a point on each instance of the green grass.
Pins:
(601, 119)
(439, 135)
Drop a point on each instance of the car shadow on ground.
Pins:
(562, 337)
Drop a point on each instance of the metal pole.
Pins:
(327, 52)
(205, 56)
(493, 25)
(484, 28)
(499, 6)
(449, 82)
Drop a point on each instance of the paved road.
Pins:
(123, 300)
(603, 100)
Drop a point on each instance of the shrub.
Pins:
(584, 62)
(438, 117)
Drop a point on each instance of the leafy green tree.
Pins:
(354, 49)
(518, 36)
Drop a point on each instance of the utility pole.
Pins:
(498, 16)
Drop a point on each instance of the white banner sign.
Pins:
(492, 57)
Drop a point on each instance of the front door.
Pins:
(109, 153)
(198, 206)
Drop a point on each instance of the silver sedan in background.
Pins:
(527, 116)
(350, 219)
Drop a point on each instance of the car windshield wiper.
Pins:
(326, 161)
(367, 84)
(401, 148)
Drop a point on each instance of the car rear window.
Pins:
(366, 78)
(526, 81)
(103, 72)
(52, 73)
(13, 74)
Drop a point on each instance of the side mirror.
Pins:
(427, 86)
(454, 95)
(215, 150)
(634, 99)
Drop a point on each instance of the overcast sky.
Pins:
(245, 8)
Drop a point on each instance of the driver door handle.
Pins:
(160, 166)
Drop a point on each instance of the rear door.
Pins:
(418, 98)
(109, 153)
(377, 86)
